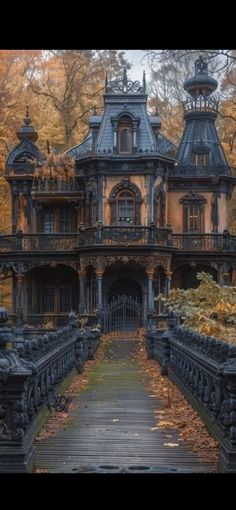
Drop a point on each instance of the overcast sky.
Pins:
(135, 58)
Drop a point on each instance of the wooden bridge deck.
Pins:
(111, 428)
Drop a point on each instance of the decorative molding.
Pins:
(149, 263)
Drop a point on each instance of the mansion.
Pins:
(136, 217)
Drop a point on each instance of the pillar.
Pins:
(168, 275)
(145, 296)
(100, 198)
(82, 276)
(150, 274)
(19, 298)
(99, 275)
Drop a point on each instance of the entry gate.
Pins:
(124, 313)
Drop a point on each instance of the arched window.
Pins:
(125, 208)
(125, 135)
(125, 200)
(159, 207)
(193, 213)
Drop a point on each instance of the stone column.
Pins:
(19, 299)
(100, 198)
(168, 275)
(150, 274)
(99, 275)
(150, 205)
(145, 295)
(82, 276)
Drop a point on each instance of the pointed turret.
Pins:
(200, 145)
(27, 131)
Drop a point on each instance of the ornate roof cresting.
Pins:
(125, 86)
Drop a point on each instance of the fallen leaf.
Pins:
(171, 444)
(163, 423)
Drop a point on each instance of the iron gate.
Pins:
(124, 313)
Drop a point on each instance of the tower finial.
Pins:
(106, 82)
(201, 66)
(125, 79)
(144, 82)
(27, 111)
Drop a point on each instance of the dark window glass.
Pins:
(200, 159)
(194, 218)
(48, 299)
(125, 139)
(64, 220)
(65, 304)
(48, 221)
(125, 210)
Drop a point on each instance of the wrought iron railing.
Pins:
(20, 169)
(55, 185)
(38, 242)
(47, 320)
(30, 375)
(201, 171)
(125, 235)
(204, 368)
(204, 242)
(115, 236)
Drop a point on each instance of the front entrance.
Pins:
(122, 314)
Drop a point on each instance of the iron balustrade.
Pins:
(55, 185)
(204, 368)
(115, 235)
(30, 375)
(201, 171)
(125, 235)
(20, 169)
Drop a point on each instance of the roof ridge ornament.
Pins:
(125, 86)
(201, 66)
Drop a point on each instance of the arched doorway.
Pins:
(123, 298)
(125, 286)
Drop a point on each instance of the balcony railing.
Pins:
(118, 236)
(38, 242)
(20, 169)
(201, 171)
(204, 242)
(55, 186)
(125, 235)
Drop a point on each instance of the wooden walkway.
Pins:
(110, 431)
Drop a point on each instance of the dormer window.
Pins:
(125, 135)
(200, 159)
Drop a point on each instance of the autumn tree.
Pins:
(72, 82)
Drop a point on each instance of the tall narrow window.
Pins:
(48, 221)
(159, 207)
(193, 213)
(64, 220)
(65, 301)
(194, 218)
(125, 135)
(125, 208)
(48, 299)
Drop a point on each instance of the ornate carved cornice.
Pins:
(149, 263)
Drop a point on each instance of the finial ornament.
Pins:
(27, 111)
(201, 66)
(144, 82)
(106, 81)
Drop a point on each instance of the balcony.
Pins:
(54, 186)
(118, 236)
(125, 236)
(204, 242)
(38, 242)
